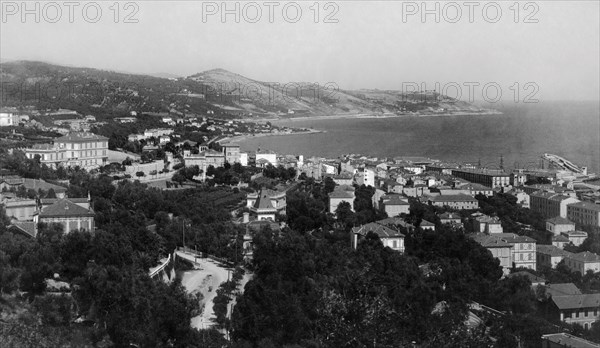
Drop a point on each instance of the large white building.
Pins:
(551, 204)
(584, 213)
(86, 150)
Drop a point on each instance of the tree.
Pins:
(140, 174)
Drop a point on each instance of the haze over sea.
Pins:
(521, 135)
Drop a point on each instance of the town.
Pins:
(185, 191)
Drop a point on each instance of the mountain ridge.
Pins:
(216, 91)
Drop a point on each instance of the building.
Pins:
(558, 225)
(583, 262)
(579, 309)
(214, 158)
(475, 189)
(70, 215)
(341, 194)
(549, 255)
(523, 250)
(522, 197)
(394, 205)
(389, 237)
(560, 241)
(8, 119)
(551, 204)
(267, 203)
(499, 249)
(535, 280)
(268, 156)
(85, 150)
(455, 201)
(450, 218)
(20, 209)
(396, 223)
(488, 177)
(344, 178)
(486, 224)
(232, 153)
(576, 237)
(427, 225)
(565, 340)
(584, 213)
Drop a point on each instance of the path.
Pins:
(206, 278)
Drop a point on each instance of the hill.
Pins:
(219, 92)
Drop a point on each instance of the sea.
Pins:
(518, 137)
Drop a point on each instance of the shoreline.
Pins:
(368, 116)
(239, 138)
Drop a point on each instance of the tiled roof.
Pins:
(27, 227)
(490, 241)
(394, 221)
(560, 238)
(394, 201)
(575, 234)
(426, 223)
(559, 220)
(551, 250)
(586, 205)
(566, 340)
(81, 136)
(586, 256)
(448, 216)
(453, 198)
(263, 201)
(380, 230)
(64, 208)
(562, 289)
(515, 238)
(342, 192)
(577, 301)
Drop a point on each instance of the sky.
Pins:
(544, 50)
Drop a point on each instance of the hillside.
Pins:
(220, 92)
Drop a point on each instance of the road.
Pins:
(206, 278)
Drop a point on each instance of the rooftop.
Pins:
(342, 192)
(453, 198)
(380, 230)
(394, 221)
(551, 250)
(586, 205)
(494, 172)
(560, 238)
(490, 241)
(81, 136)
(26, 227)
(426, 223)
(64, 208)
(562, 289)
(586, 256)
(515, 238)
(560, 221)
(569, 341)
(448, 216)
(576, 301)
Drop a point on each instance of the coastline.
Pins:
(238, 138)
(367, 116)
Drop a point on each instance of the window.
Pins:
(576, 314)
(586, 312)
